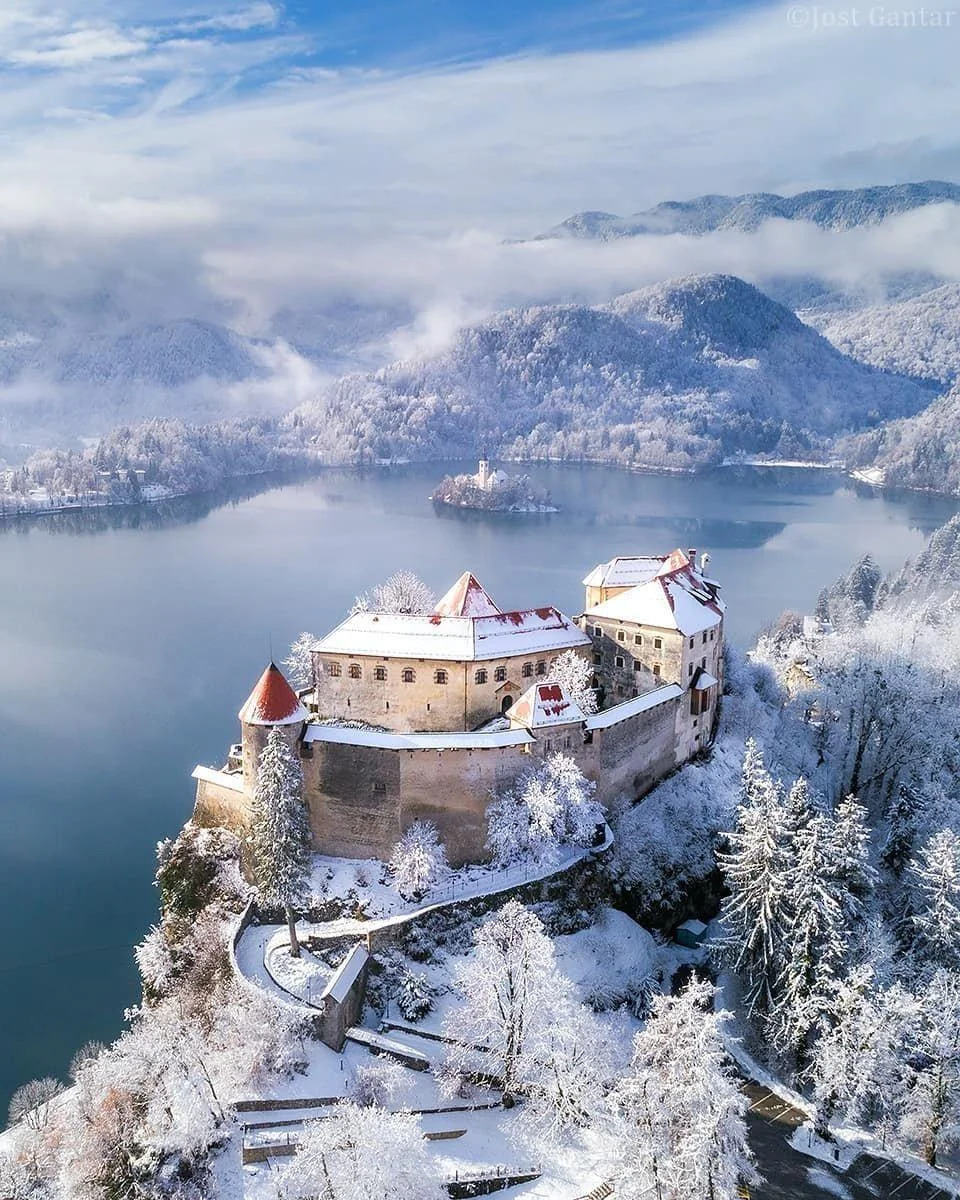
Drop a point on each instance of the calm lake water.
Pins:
(128, 642)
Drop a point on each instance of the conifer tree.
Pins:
(280, 830)
(935, 876)
(758, 868)
(850, 854)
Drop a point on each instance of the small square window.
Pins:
(408, 675)
(356, 671)
(637, 664)
(480, 677)
(334, 670)
(500, 675)
(541, 668)
(527, 671)
(439, 677)
(656, 669)
(379, 789)
(380, 674)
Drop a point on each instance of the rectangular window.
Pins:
(638, 639)
(500, 674)
(637, 664)
(621, 636)
(658, 643)
(380, 674)
(598, 660)
(618, 661)
(334, 670)
(656, 669)
(597, 631)
(541, 668)
(379, 789)
(690, 668)
(704, 639)
(691, 643)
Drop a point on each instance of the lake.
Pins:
(130, 639)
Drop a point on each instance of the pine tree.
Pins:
(815, 939)
(280, 830)
(850, 853)
(935, 878)
(758, 868)
(932, 1104)
(904, 817)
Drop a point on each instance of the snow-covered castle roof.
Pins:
(467, 626)
(467, 598)
(665, 591)
(545, 704)
(273, 701)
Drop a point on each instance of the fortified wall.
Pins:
(374, 759)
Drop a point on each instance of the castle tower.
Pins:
(272, 702)
(483, 474)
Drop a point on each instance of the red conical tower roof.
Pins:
(273, 701)
(467, 598)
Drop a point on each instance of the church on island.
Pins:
(426, 716)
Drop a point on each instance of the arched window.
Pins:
(356, 671)
(527, 671)
(480, 677)
(500, 675)
(334, 670)
(541, 668)
(439, 677)
(380, 674)
(409, 675)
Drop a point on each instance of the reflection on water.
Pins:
(127, 655)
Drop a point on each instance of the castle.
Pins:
(425, 716)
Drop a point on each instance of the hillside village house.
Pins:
(426, 716)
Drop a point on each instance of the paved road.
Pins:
(789, 1175)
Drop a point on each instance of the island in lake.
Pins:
(492, 491)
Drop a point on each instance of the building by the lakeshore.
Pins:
(426, 716)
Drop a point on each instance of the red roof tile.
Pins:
(273, 701)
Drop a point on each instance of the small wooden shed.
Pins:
(691, 934)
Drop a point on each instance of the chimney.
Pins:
(692, 555)
(704, 562)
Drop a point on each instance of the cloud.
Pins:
(223, 154)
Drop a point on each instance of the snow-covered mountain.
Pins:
(920, 336)
(829, 208)
(922, 451)
(675, 375)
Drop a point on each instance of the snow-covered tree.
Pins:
(758, 867)
(414, 997)
(859, 1062)
(280, 830)
(359, 1153)
(935, 880)
(419, 860)
(403, 592)
(379, 1083)
(31, 1102)
(549, 807)
(511, 988)
(677, 1116)
(299, 660)
(574, 674)
(814, 939)
(931, 1112)
(850, 858)
(905, 816)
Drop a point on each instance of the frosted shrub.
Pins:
(414, 998)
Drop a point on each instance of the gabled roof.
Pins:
(273, 701)
(545, 704)
(467, 598)
(676, 596)
(456, 639)
(625, 571)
